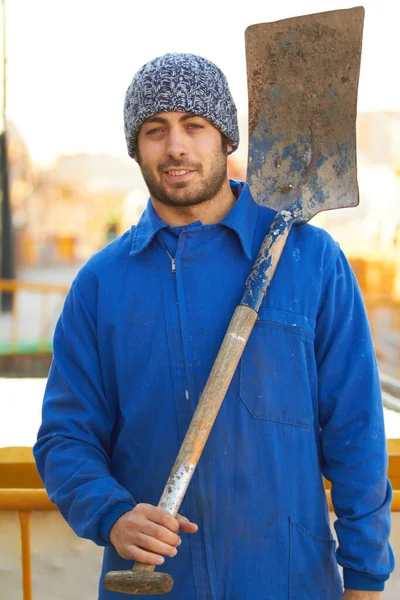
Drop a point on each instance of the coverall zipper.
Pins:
(171, 257)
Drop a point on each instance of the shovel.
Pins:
(302, 82)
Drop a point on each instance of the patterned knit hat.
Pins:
(183, 83)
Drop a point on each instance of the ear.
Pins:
(229, 148)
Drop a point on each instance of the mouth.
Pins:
(178, 174)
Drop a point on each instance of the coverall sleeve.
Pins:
(352, 432)
(74, 441)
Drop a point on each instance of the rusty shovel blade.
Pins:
(302, 83)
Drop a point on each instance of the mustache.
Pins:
(178, 164)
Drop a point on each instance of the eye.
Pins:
(195, 126)
(153, 131)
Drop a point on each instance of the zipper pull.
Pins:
(172, 259)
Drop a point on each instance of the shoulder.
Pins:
(317, 244)
(307, 244)
(116, 251)
(103, 265)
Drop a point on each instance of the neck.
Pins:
(208, 212)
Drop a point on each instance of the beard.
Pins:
(204, 190)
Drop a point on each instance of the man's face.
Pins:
(183, 158)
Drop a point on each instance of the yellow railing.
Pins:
(21, 490)
(42, 317)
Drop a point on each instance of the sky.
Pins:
(70, 62)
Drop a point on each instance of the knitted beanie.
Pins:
(183, 83)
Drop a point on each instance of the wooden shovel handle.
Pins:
(225, 364)
(206, 412)
(207, 409)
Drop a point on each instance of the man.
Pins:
(134, 346)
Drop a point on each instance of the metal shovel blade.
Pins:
(302, 83)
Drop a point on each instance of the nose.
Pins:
(176, 146)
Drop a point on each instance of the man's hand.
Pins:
(146, 532)
(361, 595)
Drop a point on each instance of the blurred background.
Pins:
(72, 187)
(68, 186)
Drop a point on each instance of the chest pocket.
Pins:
(277, 371)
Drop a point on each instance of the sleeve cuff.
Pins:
(110, 518)
(355, 580)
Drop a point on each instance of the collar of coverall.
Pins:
(241, 219)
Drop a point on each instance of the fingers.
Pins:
(159, 524)
(148, 550)
(185, 525)
(161, 516)
(147, 533)
(140, 555)
(159, 532)
(155, 546)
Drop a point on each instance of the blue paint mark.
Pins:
(276, 91)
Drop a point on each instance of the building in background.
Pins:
(376, 219)
(65, 213)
